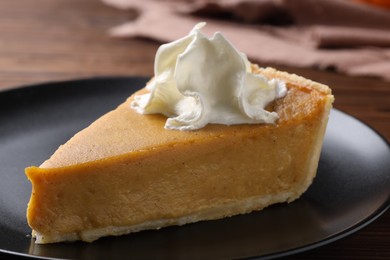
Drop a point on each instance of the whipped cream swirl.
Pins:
(200, 80)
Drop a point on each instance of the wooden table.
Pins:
(53, 40)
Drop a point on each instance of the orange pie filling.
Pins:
(126, 173)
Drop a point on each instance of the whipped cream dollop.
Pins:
(200, 80)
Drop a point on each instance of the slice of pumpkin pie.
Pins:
(210, 136)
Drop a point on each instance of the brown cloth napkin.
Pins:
(343, 35)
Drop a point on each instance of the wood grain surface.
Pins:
(55, 40)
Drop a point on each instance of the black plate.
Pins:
(352, 187)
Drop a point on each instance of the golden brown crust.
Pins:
(292, 79)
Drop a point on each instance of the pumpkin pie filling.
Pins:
(126, 173)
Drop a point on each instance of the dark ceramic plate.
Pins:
(350, 190)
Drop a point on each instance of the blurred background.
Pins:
(342, 43)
